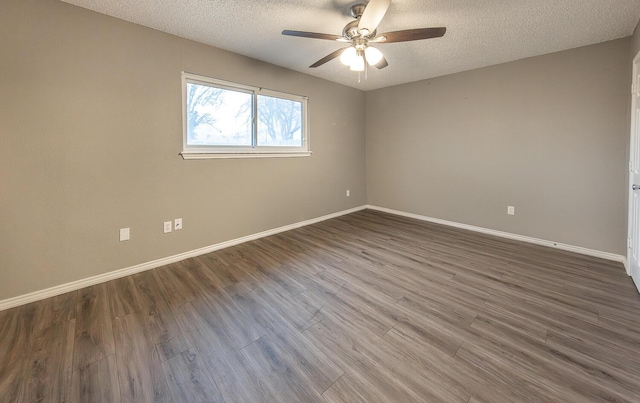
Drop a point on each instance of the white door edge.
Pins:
(632, 157)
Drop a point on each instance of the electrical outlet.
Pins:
(348, 193)
(511, 210)
(167, 226)
(177, 224)
(124, 234)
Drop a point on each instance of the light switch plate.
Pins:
(125, 234)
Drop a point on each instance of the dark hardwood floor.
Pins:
(367, 307)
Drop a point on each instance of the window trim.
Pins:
(253, 151)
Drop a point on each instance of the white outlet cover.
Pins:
(125, 234)
(348, 192)
(177, 224)
(511, 210)
(167, 226)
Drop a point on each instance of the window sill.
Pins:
(194, 155)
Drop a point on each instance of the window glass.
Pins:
(218, 116)
(279, 122)
(229, 120)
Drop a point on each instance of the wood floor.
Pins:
(368, 307)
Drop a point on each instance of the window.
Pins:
(228, 120)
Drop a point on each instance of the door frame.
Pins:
(635, 87)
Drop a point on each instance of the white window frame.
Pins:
(254, 150)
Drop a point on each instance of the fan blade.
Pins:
(382, 63)
(410, 35)
(328, 58)
(372, 15)
(315, 35)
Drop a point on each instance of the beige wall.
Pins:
(547, 135)
(90, 128)
(635, 42)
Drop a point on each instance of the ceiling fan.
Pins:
(361, 32)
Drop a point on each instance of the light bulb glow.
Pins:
(348, 56)
(373, 55)
(358, 63)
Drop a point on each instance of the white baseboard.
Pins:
(627, 268)
(101, 278)
(508, 235)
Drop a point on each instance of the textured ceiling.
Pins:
(479, 32)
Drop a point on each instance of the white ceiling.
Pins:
(479, 32)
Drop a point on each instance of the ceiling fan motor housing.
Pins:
(351, 31)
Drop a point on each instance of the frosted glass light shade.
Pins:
(358, 63)
(348, 56)
(373, 55)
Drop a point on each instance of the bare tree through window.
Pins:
(199, 97)
(280, 121)
(211, 117)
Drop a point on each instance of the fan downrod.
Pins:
(357, 10)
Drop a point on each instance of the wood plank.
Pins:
(298, 351)
(94, 334)
(97, 382)
(235, 379)
(507, 379)
(356, 353)
(623, 321)
(139, 366)
(269, 293)
(55, 310)
(123, 297)
(177, 283)
(319, 370)
(50, 372)
(545, 362)
(423, 366)
(215, 303)
(348, 389)
(223, 274)
(165, 331)
(189, 380)
(280, 378)
(17, 329)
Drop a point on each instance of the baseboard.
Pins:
(101, 278)
(508, 235)
(627, 268)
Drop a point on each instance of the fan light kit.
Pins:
(361, 32)
(354, 57)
